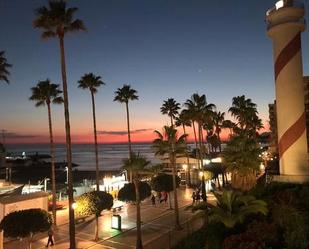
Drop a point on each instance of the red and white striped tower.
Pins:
(285, 24)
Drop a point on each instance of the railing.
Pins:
(270, 25)
(285, 3)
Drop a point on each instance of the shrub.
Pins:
(93, 203)
(296, 235)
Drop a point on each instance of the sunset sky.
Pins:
(162, 48)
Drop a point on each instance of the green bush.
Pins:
(296, 235)
(195, 240)
(93, 203)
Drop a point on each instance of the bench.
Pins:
(114, 209)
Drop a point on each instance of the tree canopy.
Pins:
(4, 66)
(93, 203)
(26, 223)
(127, 192)
(163, 182)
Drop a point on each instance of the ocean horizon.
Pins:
(111, 155)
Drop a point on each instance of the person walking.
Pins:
(193, 197)
(50, 234)
(153, 200)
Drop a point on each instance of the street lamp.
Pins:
(74, 205)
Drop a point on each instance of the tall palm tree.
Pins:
(200, 110)
(183, 119)
(47, 93)
(92, 82)
(171, 108)
(137, 164)
(169, 144)
(4, 65)
(56, 20)
(218, 120)
(124, 95)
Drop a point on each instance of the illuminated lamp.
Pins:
(116, 222)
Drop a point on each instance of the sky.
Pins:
(162, 48)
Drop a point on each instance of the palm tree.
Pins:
(184, 120)
(170, 107)
(218, 120)
(233, 208)
(123, 95)
(137, 164)
(169, 144)
(229, 125)
(246, 114)
(201, 111)
(92, 82)
(4, 65)
(56, 20)
(46, 93)
(242, 159)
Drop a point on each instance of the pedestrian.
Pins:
(165, 197)
(198, 196)
(193, 197)
(50, 234)
(153, 200)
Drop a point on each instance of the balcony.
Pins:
(285, 3)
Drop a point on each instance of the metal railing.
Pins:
(284, 4)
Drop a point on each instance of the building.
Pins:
(273, 119)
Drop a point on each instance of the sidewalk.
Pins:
(158, 221)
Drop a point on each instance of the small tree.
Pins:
(93, 203)
(164, 182)
(136, 192)
(26, 223)
(127, 192)
(242, 160)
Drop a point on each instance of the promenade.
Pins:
(157, 228)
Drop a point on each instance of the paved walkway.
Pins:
(158, 221)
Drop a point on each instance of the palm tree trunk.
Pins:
(169, 200)
(194, 132)
(172, 124)
(195, 138)
(129, 137)
(52, 153)
(139, 244)
(68, 144)
(173, 161)
(200, 144)
(219, 139)
(96, 229)
(187, 155)
(95, 143)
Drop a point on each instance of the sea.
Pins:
(111, 156)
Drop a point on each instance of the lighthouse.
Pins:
(285, 23)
